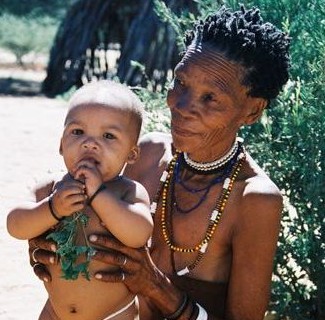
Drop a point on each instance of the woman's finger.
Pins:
(114, 277)
(112, 257)
(41, 242)
(44, 257)
(41, 271)
(108, 242)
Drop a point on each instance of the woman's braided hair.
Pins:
(261, 48)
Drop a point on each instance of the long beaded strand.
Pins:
(214, 217)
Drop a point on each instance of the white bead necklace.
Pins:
(207, 166)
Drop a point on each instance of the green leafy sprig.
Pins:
(67, 250)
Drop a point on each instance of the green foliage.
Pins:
(35, 8)
(70, 253)
(30, 26)
(157, 113)
(289, 143)
(179, 23)
(22, 35)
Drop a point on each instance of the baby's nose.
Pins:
(90, 143)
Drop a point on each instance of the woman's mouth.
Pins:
(181, 132)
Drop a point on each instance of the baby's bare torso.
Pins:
(83, 299)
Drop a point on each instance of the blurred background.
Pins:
(49, 48)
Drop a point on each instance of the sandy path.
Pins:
(29, 139)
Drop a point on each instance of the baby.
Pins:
(101, 131)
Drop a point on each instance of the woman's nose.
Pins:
(184, 104)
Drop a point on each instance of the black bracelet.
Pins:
(175, 315)
(53, 213)
(100, 189)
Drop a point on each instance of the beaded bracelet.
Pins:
(100, 189)
(175, 315)
(54, 214)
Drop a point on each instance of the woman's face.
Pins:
(208, 103)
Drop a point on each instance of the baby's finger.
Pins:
(77, 198)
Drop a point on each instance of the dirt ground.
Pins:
(30, 131)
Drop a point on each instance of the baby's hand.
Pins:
(69, 197)
(88, 172)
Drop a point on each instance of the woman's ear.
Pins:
(133, 155)
(256, 109)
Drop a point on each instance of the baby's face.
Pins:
(101, 135)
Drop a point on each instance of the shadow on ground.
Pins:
(20, 87)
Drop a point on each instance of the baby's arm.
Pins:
(128, 219)
(34, 218)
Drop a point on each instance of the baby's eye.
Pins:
(108, 135)
(77, 132)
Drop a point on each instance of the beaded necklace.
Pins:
(215, 215)
(209, 166)
(222, 174)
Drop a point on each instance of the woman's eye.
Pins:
(108, 135)
(208, 97)
(178, 81)
(77, 132)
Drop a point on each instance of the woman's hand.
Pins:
(137, 270)
(141, 276)
(41, 254)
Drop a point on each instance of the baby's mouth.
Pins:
(91, 160)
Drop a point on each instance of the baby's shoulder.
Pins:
(128, 188)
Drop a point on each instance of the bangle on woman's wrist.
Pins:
(180, 310)
(100, 189)
(54, 214)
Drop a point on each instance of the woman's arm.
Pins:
(253, 245)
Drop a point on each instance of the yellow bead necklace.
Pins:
(215, 216)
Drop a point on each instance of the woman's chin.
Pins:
(184, 144)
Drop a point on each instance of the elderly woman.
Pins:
(216, 213)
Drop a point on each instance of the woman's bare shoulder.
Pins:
(155, 141)
(155, 152)
(259, 193)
